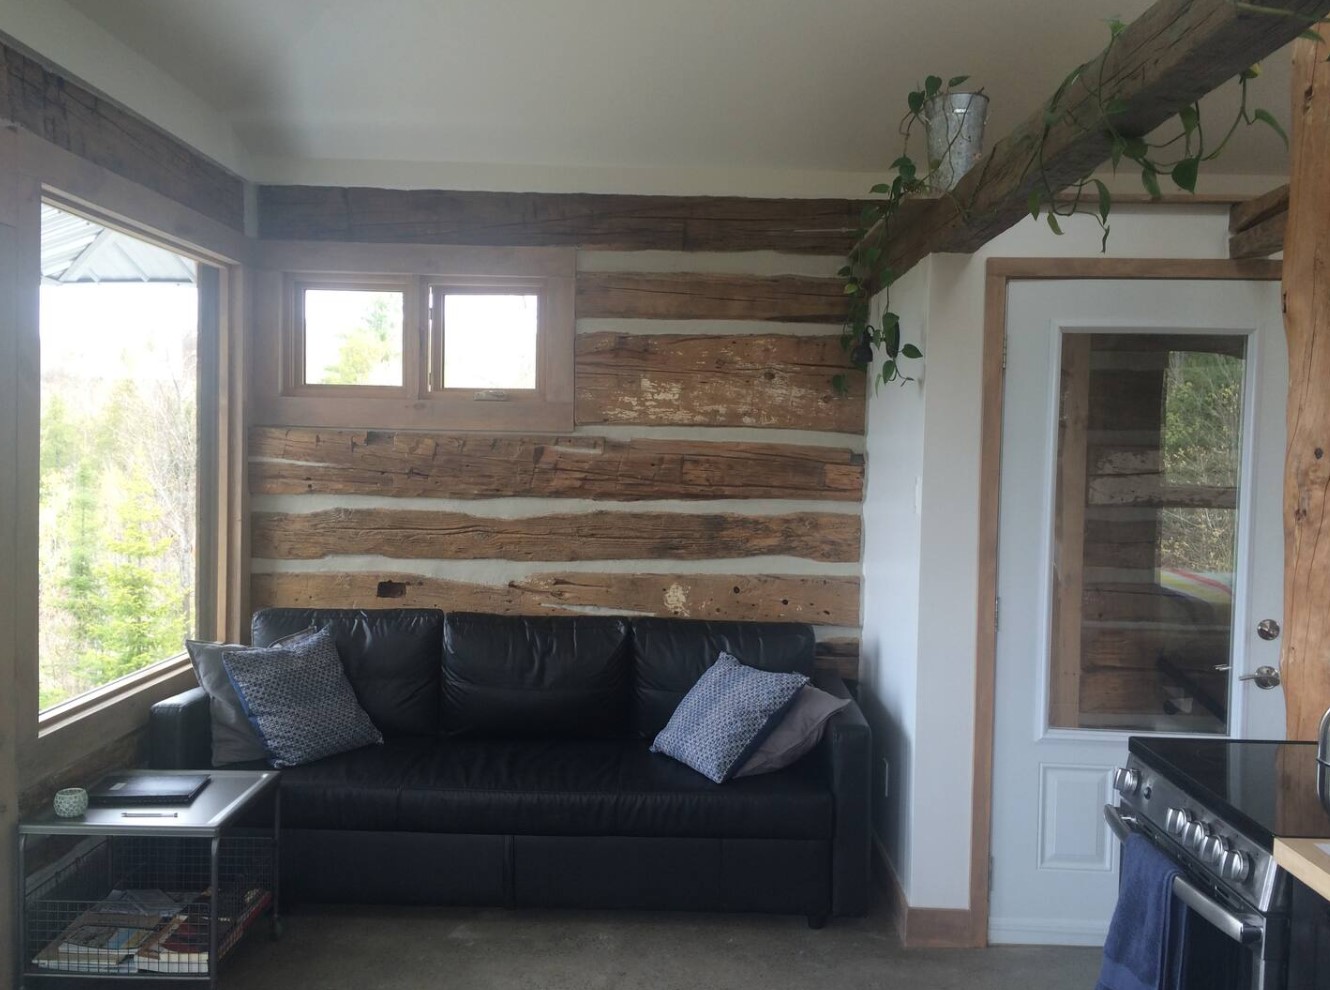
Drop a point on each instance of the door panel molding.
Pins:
(999, 273)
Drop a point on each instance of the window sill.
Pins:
(77, 728)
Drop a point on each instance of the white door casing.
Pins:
(1054, 876)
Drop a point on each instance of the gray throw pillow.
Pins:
(233, 738)
(298, 699)
(725, 716)
(797, 732)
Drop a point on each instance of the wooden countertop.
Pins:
(1306, 861)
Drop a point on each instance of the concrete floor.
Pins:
(367, 948)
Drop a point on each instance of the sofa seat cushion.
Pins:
(549, 787)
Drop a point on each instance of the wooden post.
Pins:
(1306, 654)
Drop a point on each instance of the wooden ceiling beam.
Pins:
(1168, 58)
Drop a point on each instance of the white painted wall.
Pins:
(70, 40)
(918, 676)
(890, 613)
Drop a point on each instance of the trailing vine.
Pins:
(1177, 157)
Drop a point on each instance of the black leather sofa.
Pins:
(515, 771)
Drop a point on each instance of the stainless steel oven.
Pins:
(1261, 938)
(1214, 807)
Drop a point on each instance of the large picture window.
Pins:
(119, 459)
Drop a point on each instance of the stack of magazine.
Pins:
(132, 931)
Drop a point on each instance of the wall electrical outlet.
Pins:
(886, 777)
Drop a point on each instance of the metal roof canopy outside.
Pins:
(78, 250)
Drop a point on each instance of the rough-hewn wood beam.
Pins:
(290, 460)
(599, 222)
(699, 296)
(1256, 227)
(92, 127)
(1306, 653)
(408, 534)
(1168, 58)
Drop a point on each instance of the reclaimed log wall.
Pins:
(712, 473)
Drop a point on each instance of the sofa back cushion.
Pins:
(671, 654)
(391, 657)
(550, 677)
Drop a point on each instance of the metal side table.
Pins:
(216, 857)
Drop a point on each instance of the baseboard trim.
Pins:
(923, 928)
(1045, 931)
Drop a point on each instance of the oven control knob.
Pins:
(1176, 820)
(1235, 866)
(1126, 781)
(1213, 849)
(1194, 834)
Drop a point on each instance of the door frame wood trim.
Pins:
(998, 275)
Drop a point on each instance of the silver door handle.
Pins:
(1267, 629)
(1265, 677)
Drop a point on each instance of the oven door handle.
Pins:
(1234, 927)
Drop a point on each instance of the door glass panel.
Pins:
(1145, 531)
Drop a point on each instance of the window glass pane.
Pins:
(489, 341)
(353, 337)
(118, 455)
(1149, 455)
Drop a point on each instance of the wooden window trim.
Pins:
(294, 372)
(59, 737)
(423, 405)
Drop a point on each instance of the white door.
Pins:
(1140, 544)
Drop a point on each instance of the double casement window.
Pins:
(469, 339)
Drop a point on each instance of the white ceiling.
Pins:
(734, 84)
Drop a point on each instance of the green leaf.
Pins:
(1115, 106)
(1115, 27)
(1184, 173)
(1251, 72)
(1264, 117)
(890, 319)
(1137, 150)
(1151, 182)
(889, 370)
(910, 351)
(915, 101)
(1105, 200)
(1034, 202)
(955, 81)
(931, 86)
(891, 339)
(1190, 117)
(904, 161)
(1119, 146)
(1310, 35)
(881, 188)
(1053, 224)
(851, 288)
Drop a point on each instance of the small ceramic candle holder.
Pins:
(71, 802)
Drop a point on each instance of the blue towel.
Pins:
(1142, 951)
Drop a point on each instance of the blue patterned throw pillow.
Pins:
(725, 716)
(299, 701)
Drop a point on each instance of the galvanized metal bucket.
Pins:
(955, 125)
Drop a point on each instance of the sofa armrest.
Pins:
(847, 752)
(180, 732)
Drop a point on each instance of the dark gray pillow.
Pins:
(797, 732)
(233, 738)
(298, 699)
(725, 716)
